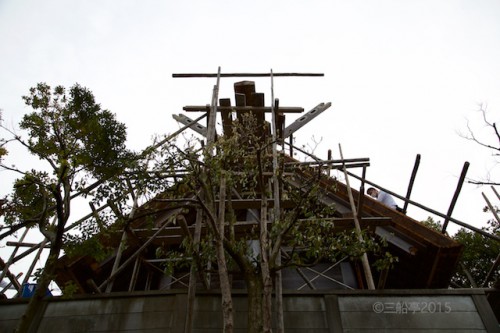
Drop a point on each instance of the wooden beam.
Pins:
(22, 244)
(242, 108)
(299, 123)
(185, 120)
(199, 75)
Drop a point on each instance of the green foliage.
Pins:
(88, 244)
(73, 132)
(30, 198)
(69, 290)
(430, 223)
(3, 151)
(478, 257)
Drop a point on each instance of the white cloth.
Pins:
(386, 199)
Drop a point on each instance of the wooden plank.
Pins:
(185, 120)
(299, 123)
(192, 75)
(266, 109)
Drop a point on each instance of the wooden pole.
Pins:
(491, 271)
(139, 251)
(455, 196)
(12, 278)
(490, 206)
(430, 210)
(198, 75)
(280, 326)
(192, 278)
(32, 266)
(364, 258)
(135, 274)
(361, 197)
(494, 190)
(10, 284)
(5, 269)
(412, 180)
(225, 286)
(212, 117)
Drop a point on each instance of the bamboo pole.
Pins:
(364, 258)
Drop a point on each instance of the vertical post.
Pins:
(455, 196)
(192, 278)
(212, 117)
(123, 242)
(329, 158)
(412, 180)
(277, 214)
(364, 258)
(135, 273)
(361, 198)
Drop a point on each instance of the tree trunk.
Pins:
(27, 322)
(254, 289)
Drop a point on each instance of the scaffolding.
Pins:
(354, 209)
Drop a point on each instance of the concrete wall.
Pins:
(350, 311)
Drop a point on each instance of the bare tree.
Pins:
(491, 142)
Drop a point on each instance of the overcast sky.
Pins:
(402, 76)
